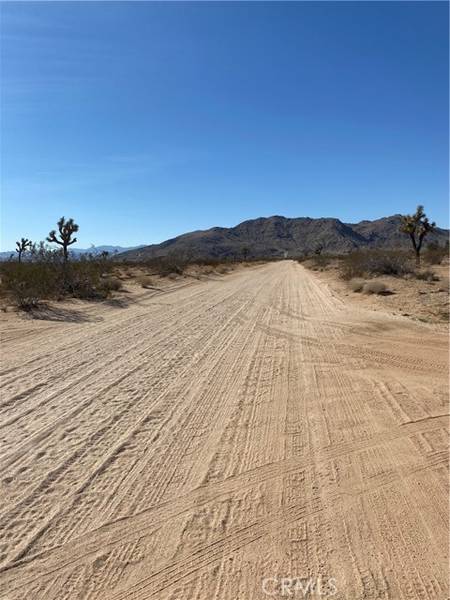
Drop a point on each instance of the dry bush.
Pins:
(426, 275)
(317, 261)
(367, 263)
(356, 285)
(112, 284)
(320, 261)
(85, 279)
(434, 254)
(165, 265)
(145, 281)
(27, 284)
(222, 269)
(374, 287)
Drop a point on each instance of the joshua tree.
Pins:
(23, 246)
(245, 252)
(66, 230)
(417, 226)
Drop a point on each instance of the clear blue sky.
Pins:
(146, 120)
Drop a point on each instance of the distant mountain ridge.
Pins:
(94, 250)
(99, 249)
(281, 236)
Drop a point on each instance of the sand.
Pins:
(225, 440)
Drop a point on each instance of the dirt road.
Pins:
(210, 441)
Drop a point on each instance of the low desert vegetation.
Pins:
(112, 284)
(47, 270)
(356, 285)
(29, 283)
(319, 261)
(374, 287)
(222, 269)
(145, 281)
(370, 263)
(373, 262)
(49, 274)
(434, 254)
(367, 287)
(426, 275)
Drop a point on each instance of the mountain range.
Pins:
(282, 236)
(94, 250)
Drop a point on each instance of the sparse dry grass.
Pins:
(374, 287)
(113, 284)
(426, 275)
(145, 281)
(356, 285)
(222, 269)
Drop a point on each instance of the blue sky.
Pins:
(146, 120)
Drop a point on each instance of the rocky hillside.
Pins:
(280, 236)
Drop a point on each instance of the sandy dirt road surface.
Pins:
(221, 436)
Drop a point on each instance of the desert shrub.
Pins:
(145, 281)
(356, 285)
(28, 283)
(434, 254)
(426, 275)
(316, 262)
(165, 265)
(374, 287)
(222, 269)
(112, 284)
(367, 263)
(319, 261)
(85, 279)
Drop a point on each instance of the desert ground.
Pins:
(221, 439)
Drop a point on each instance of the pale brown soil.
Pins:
(425, 301)
(203, 438)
